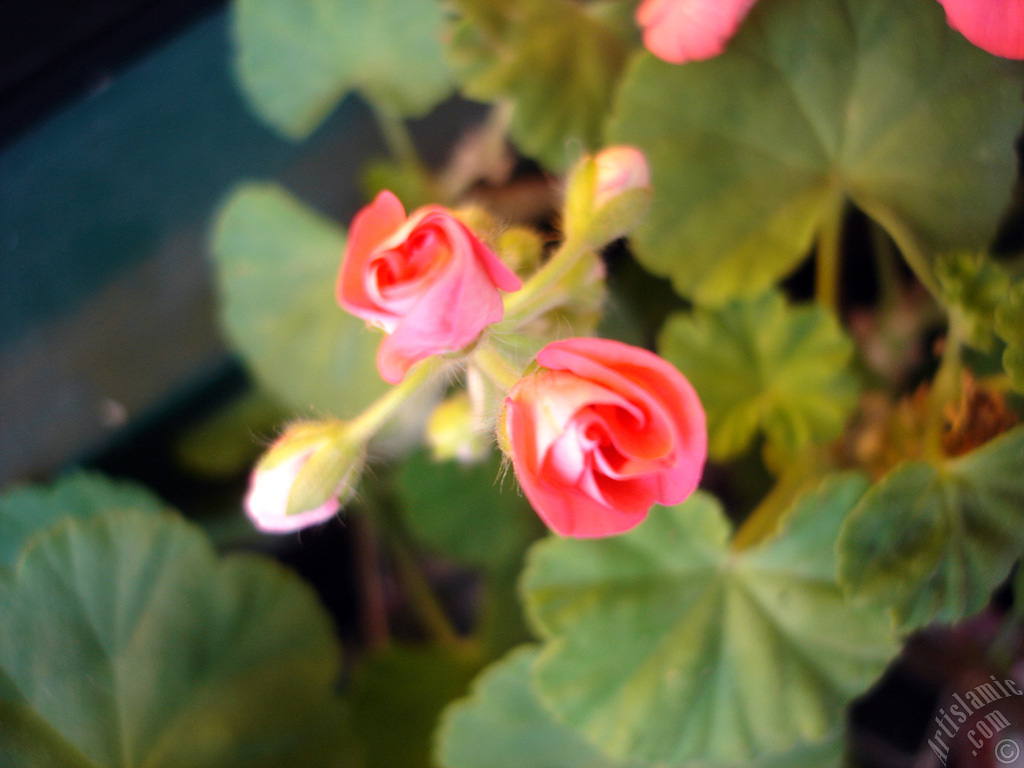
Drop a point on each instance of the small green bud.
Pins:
(607, 195)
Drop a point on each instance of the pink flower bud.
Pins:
(619, 169)
(427, 280)
(303, 479)
(602, 432)
(690, 30)
(997, 26)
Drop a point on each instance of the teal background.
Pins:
(106, 306)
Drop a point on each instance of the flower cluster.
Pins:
(597, 432)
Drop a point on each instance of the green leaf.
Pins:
(397, 696)
(762, 366)
(127, 642)
(27, 511)
(875, 100)
(557, 61)
(930, 542)
(1010, 326)
(664, 644)
(462, 510)
(502, 724)
(277, 263)
(296, 59)
(973, 287)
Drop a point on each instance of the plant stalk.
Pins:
(529, 301)
(422, 596)
(495, 367)
(373, 611)
(829, 255)
(369, 422)
(397, 136)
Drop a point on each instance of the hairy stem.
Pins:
(495, 366)
(532, 299)
(369, 422)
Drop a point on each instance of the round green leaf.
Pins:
(462, 511)
(931, 542)
(277, 263)
(664, 644)
(33, 509)
(503, 724)
(296, 59)
(876, 100)
(557, 61)
(127, 642)
(762, 366)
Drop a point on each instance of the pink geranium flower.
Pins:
(602, 432)
(690, 30)
(994, 25)
(427, 280)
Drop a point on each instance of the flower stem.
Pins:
(885, 266)
(533, 298)
(826, 289)
(369, 422)
(495, 367)
(907, 242)
(422, 597)
(397, 136)
(373, 611)
(764, 520)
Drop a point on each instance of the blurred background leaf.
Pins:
(127, 642)
(557, 61)
(761, 365)
(397, 694)
(27, 511)
(230, 441)
(875, 100)
(502, 724)
(276, 265)
(472, 513)
(931, 542)
(296, 59)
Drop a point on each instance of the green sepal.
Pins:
(332, 471)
